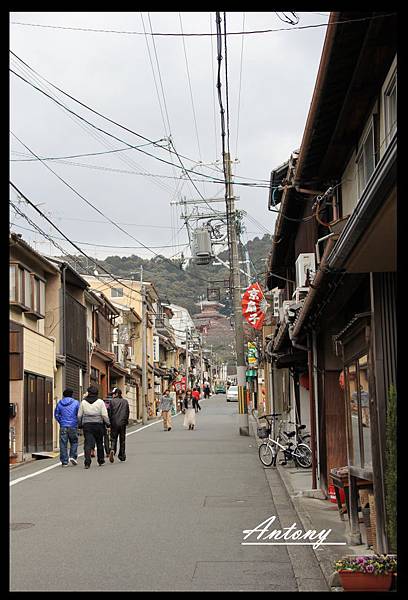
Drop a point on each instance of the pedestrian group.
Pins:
(104, 422)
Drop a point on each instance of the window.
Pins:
(117, 292)
(13, 283)
(358, 397)
(37, 302)
(27, 289)
(390, 106)
(365, 160)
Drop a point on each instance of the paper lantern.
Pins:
(304, 380)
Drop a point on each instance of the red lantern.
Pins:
(304, 380)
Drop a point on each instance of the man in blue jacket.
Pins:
(66, 413)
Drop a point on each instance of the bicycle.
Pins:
(301, 435)
(268, 451)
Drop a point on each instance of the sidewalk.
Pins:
(314, 513)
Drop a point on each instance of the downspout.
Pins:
(64, 327)
(312, 411)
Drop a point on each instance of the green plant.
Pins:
(377, 564)
(391, 469)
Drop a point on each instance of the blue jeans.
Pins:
(71, 434)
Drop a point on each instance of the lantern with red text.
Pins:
(254, 305)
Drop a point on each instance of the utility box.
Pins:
(202, 248)
(305, 263)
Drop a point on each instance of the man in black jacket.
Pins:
(119, 418)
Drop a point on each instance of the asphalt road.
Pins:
(170, 518)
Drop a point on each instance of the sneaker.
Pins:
(192, 426)
(169, 429)
(111, 456)
(73, 461)
(122, 459)
(86, 466)
(101, 464)
(64, 464)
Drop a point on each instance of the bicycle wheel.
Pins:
(303, 456)
(265, 454)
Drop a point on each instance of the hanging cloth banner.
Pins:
(254, 305)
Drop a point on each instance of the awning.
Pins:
(118, 370)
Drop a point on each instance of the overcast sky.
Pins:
(112, 73)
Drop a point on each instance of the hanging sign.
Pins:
(254, 305)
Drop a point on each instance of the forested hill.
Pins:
(184, 284)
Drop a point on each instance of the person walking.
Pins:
(189, 410)
(196, 397)
(206, 390)
(106, 437)
(66, 413)
(166, 402)
(92, 415)
(119, 418)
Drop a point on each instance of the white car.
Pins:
(232, 393)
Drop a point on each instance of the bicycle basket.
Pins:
(263, 432)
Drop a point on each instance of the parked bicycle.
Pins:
(302, 436)
(268, 451)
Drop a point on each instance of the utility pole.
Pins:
(187, 359)
(144, 349)
(236, 294)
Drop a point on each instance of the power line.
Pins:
(83, 123)
(104, 117)
(240, 81)
(106, 245)
(81, 267)
(82, 155)
(190, 88)
(67, 161)
(96, 208)
(205, 33)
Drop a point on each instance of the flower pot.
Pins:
(355, 581)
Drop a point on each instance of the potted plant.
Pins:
(367, 573)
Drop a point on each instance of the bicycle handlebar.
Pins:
(273, 415)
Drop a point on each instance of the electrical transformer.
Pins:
(202, 250)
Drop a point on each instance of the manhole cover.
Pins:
(16, 526)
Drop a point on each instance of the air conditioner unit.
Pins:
(305, 265)
(277, 301)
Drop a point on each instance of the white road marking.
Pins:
(58, 464)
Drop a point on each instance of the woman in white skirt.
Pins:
(189, 414)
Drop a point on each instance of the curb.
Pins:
(323, 557)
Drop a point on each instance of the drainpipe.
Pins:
(316, 403)
(312, 411)
(64, 328)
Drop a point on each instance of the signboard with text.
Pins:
(254, 305)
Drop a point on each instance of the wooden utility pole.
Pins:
(236, 293)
